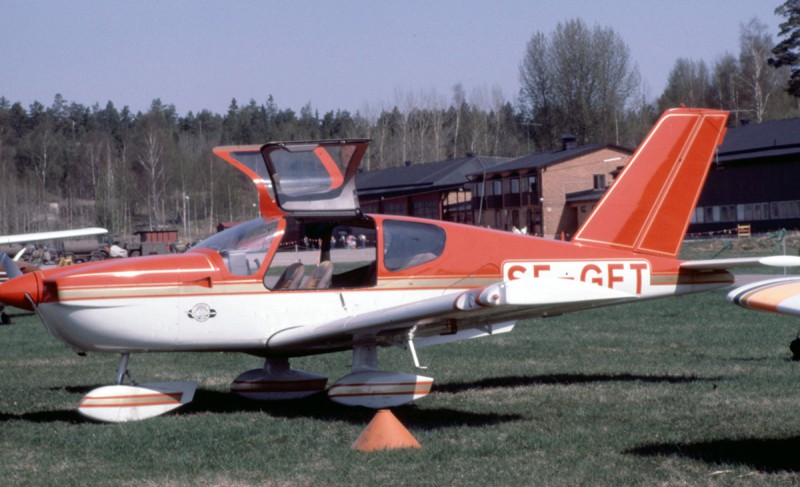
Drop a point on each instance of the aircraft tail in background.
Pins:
(649, 207)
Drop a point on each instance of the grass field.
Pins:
(680, 391)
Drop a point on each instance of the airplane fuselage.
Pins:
(191, 302)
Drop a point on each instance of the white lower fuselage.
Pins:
(234, 321)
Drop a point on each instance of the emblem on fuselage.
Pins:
(201, 312)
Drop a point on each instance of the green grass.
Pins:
(685, 391)
(758, 245)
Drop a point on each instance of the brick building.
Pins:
(547, 193)
(436, 190)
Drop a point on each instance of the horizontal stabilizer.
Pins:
(771, 261)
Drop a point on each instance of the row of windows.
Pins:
(499, 187)
(776, 210)
(426, 209)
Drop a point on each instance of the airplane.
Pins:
(10, 243)
(781, 295)
(257, 288)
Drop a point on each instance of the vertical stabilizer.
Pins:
(648, 208)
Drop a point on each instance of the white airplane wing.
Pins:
(775, 295)
(33, 237)
(449, 314)
(771, 261)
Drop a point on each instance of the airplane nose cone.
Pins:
(13, 292)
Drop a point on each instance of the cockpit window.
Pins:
(308, 173)
(408, 244)
(244, 246)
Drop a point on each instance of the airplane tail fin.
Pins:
(649, 207)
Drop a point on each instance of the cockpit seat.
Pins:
(291, 277)
(321, 277)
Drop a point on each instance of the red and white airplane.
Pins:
(780, 295)
(370, 281)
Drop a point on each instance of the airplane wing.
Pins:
(775, 295)
(771, 261)
(447, 314)
(33, 237)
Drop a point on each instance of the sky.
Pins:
(360, 56)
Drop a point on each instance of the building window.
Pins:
(697, 217)
(369, 207)
(497, 187)
(531, 184)
(515, 186)
(426, 209)
(477, 189)
(599, 181)
(395, 208)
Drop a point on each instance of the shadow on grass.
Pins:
(53, 416)
(565, 379)
(320, 407)
(317, 406)
(766, 455)
(11, 316)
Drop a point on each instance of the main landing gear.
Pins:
(364, 386)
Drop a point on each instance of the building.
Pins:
(547, 193)
(754, 180)
(436, 190)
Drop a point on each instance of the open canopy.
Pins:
(302, 178)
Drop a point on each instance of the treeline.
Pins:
(746, 84)
(68, 165)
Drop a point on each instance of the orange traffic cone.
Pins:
(384, 432)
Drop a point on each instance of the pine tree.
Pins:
(787, 52)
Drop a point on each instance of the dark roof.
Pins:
(544, 159)
(768, 139)
(423, 177)
(586, 195)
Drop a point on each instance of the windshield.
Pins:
(243, 247)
